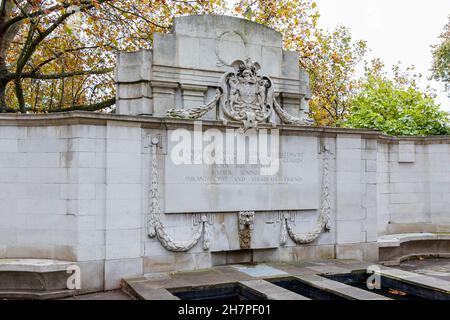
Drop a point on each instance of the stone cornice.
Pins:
(102, 119)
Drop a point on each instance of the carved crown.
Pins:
(240, 66)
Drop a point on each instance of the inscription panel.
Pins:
(237, 187)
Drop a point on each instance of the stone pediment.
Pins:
(186, 67)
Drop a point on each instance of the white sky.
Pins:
(395, 30)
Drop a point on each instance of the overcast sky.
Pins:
(395, 30)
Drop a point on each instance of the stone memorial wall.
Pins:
(118, 195)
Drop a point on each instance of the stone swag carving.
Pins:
(245, 220)
(245, 96)
(323, 220)
(155, 225)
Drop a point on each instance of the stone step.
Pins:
(143, 290)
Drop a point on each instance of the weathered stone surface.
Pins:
(182, 65)
(222, 188)
(77, 204)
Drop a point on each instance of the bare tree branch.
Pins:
(88, 107)
(61, 75)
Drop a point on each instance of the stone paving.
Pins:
(159, 286)
(253, 277)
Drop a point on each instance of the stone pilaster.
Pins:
(193, 95)
(163, 97)
(132, 76)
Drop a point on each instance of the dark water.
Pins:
(391, 288)
(305, 289)
(232, 291)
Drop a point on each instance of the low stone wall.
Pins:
(76, 187)
(413, 185)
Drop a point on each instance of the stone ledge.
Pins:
(34, 265)
(95, 118)
(102, 119)
(33, 295)
(398, 261)
(338, 288)
(395, 240)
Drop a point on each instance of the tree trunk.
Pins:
(3, 69)
(3, 80)
(3, 106)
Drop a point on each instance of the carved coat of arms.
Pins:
(247, 96)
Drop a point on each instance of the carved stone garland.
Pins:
(155, 225)
(289, 119)
(323, 221)
(194, 113)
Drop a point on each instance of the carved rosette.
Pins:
(245, 220)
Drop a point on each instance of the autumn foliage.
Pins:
(59, 55)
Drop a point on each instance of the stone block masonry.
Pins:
(84, 196)
(103, 189)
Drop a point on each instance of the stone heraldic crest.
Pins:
(244, 96)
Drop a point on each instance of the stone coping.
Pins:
(343, 290)
(417, 279)
(181, 21)
(147, 121)
(272, 291)
(36, 295)
(158, 286)
(34, 265)
(399, 260)
(395, 240)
